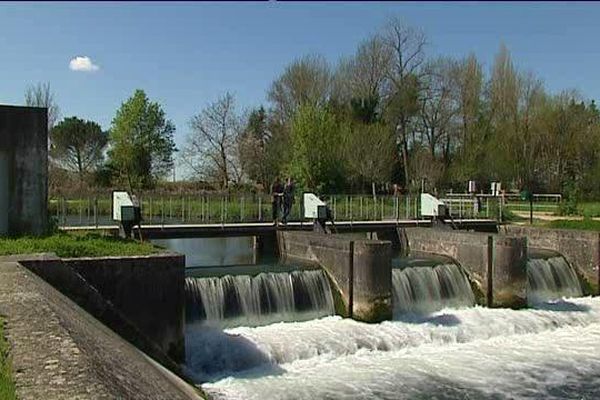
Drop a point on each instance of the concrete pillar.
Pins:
(4, 194)
(372, 280)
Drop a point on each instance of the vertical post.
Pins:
(170, 208)
(182, 209)
(382, 208)
(351, 280)
(162, 211)
(531, 209)
(500, 211)
(407, 209)
(242, 209)
(334, 208)
(351, 214)
(80, 211)
(361, 207)
(490, 271)
(260, 208)
(96, 212)
(487, 207)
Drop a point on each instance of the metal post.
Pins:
(382, 208)
(361, 207)
(334, 208)
(96, 212)
(242, 209)
(487, 207)
(182, 209)
(259, 208)
(407, 207)
(490, 271)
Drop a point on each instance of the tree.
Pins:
(255, 144)
(212, 149)
(41, 95)
(406, 45)
(369, 153)
(316, 158)
(306, 81)
(78, 145)
(141, 140)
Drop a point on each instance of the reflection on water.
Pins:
(216, 251)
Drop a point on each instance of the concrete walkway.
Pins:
(61, 352)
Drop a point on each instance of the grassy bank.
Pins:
(583, 224)
(76, 245)
(7, 386)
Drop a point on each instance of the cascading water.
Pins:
(550, 279)
(256, 300)
(424, 289)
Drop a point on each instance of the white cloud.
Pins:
(83, 64)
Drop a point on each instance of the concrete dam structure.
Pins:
(329, 308)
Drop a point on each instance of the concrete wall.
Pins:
(59, 351)
(509, 273)
(149, 290)
(580, 248)
(140, 298)
(360, 270)
(24, 146)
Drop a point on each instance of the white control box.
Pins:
(314, 207)
(431, 206)
(123, 207)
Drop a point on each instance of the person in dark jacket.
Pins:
(288, 199)
(276, 196)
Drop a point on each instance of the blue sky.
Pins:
(185, 55)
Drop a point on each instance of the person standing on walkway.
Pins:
(276, 195)
(288, 199)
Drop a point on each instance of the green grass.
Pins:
(585, 224)
(75, 245)
(7, 386)
(589, 209)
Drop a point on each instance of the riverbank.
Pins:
(71, 245)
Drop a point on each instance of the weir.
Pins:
(235, 300)
(425, 289)
(551, 278)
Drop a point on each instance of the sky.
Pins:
(185, 55)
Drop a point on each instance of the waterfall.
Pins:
(550, 279)
(423, 289)
(235, 300)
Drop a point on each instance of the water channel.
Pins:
(257, 329)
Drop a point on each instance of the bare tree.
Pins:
(212, 146)
(365, 73)
(406, 45)
(306, 81)
(41, 95)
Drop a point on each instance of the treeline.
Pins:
(388, 114)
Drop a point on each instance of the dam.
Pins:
(258, 326)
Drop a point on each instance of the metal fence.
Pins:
(211, 209)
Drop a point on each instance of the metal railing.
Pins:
(96, 210)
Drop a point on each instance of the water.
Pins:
(216, 251)
(253, 300)
(551, 278)
(423, 289)
(470, 353)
